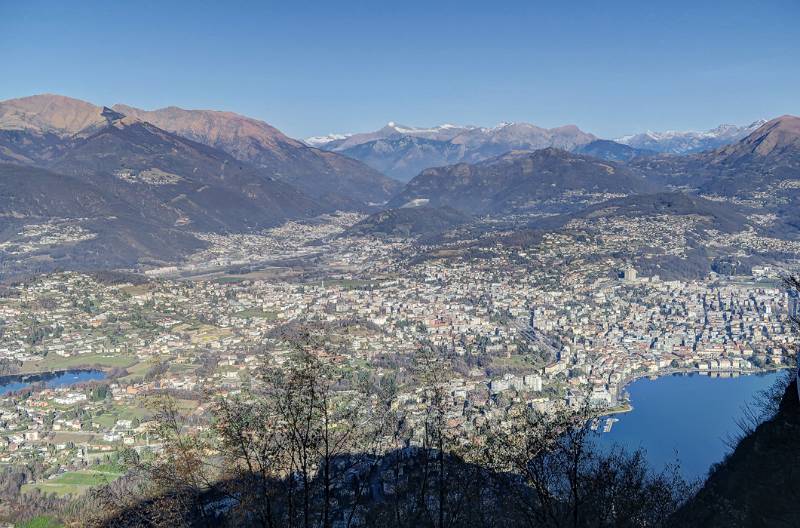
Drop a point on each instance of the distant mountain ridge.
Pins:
(124, 191)
(35, 129)
(409, 222)
(689, 142)
(543, 181)
(340, 180)
(404, 157)
(766, 157)
(338, 142)
(611, 150)
(402, 151)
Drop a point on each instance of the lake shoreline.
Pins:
(13, 383)
(687, 417)
(25, 375)
(690, 372)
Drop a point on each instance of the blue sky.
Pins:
(611, 67)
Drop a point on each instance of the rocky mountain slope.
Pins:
(402, 152)
(327, 176)
(48, 113)
(543, 181)
(409, 222)
(763, 167)
(51, 221)
(36, 129)
(611, 150)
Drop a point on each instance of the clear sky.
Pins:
(611, 67)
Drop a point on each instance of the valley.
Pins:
(135, 245)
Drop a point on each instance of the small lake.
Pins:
(9, 384)
(686, 417)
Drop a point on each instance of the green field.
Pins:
(55, 362)
(138, 369)
(42, 521)
(77, 482)
(121, 412)
(229, 280)
(255, 313)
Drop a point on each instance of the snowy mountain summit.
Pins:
(688, 142)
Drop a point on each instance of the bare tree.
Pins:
(164, 488)
(570, 482)
(295, 439)
(307, 447)
(253, 442)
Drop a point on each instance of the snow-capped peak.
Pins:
(501, 125)
(721, 130)
(756, 124)
(316, 141)
(679, 142)
(402, 129)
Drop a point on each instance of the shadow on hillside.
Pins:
(403, 489)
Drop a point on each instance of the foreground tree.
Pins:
(309, 445)
(572, 482)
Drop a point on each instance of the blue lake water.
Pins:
(9, 384)
(685, 418)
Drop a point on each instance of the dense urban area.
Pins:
(566, 319)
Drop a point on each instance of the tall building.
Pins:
(629, 274)
(794, 304)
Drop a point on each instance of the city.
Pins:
(418, 265)
(519, 325)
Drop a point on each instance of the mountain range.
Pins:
(327, 176)
(766, 161)
(130, 191)
(611, 150)
(689, 142)
(37, 128)
(402, 152)
(542, 181)
(760, 173)
(124, 187)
